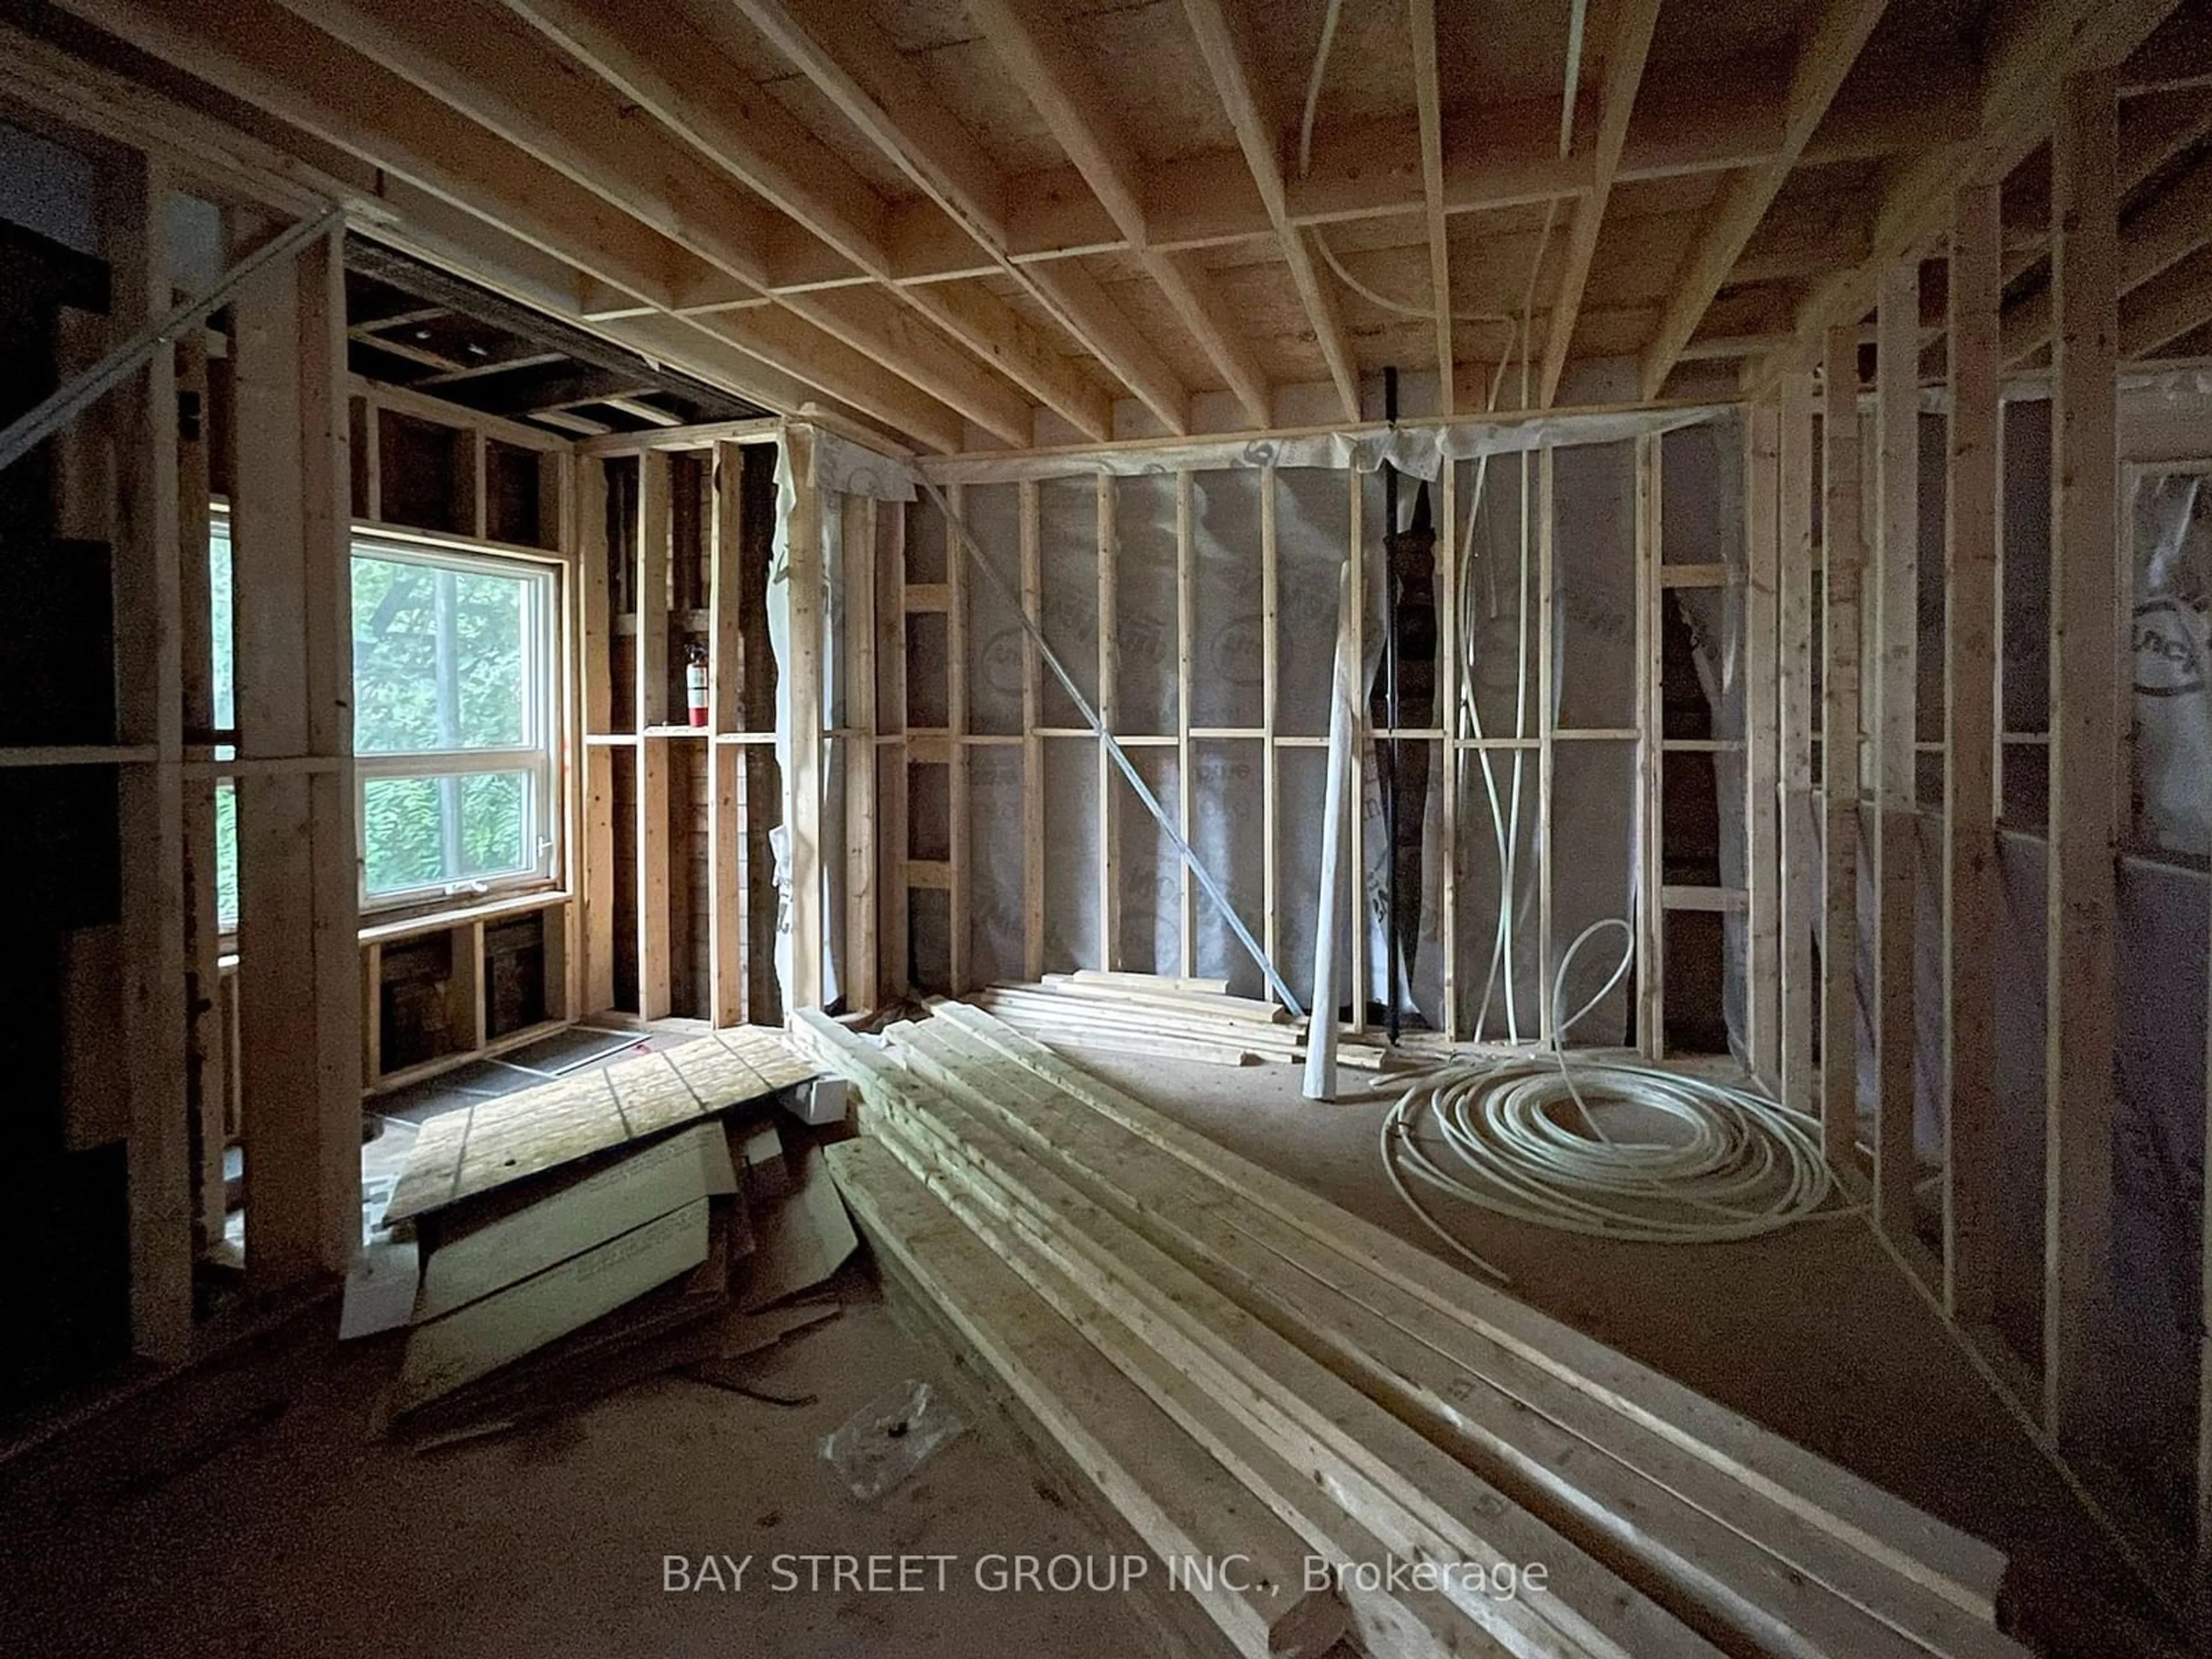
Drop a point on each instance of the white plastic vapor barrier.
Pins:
(1216, 683)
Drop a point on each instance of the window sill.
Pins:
(438, 916)
(436, 921)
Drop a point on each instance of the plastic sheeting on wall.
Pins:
(1231, 661)
(2172, 520)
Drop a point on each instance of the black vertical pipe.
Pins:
(1390, 706)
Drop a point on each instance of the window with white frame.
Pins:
(455, 720)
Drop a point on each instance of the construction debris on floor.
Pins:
(1242, 1370)
(573, 1238)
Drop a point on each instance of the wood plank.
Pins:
(1033, 826)
(596, 852)
(1270, 679)
(2086, 730)
(1895, 730)
(651, 834)
(1841, 558)
(1630, 45)
(956, 706)
(1825, 52)
(475, 1149)
(802, 774)
(1650, 756)
(1184, 1502)
(860, 976)
(725, 915)
(1186, 783)
(1800, 852)
(141, 422)
(896, 959)
(1971, 898)
(664, 1177)
(1417, 1499)
(299, 965)
(1109, 687)
(1961, 1569)
(1224, 43)
(1719, 1556)
(1762, 757)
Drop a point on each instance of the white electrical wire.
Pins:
(1502, 1134)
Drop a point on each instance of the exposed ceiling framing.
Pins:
(987, 223)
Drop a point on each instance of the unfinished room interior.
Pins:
(1216, 829)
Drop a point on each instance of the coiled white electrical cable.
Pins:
(1746, 1166)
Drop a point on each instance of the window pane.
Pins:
(439, 658)
(438, 831)
(226, 855)
(225, 706)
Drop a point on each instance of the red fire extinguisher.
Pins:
(694, 682)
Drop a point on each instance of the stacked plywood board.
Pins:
(1242, 1370)
(464, 1153)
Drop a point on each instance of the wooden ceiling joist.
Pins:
(697, 92)
(489, 77)
(1428, 103)
(1043, 62)
(2041, 45)
(1825, 57)
(300, 75)
(1625, 57)
(881, 93)
(1228, 58)
(2173, 225)
(2175, 303)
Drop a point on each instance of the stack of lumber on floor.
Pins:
(681, 1252)
(1154, 1015)
(1147, 1014)
(1240, 1367)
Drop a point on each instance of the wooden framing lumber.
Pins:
(1411, 1495)
(1960, 1569)
(727, 995)
(803, 774)
(1895, 729)
(149, 589)
(1625, 57)
(1650, 757)
(1182, 1501)
(1762, 801)
(298, 960)
(1227, 52)
(859, 975)
(1428, 101)
(2019, 87)
(1971, 898)
(1040, 58)
(1800, 852)
(2085, 729)
(1841, 556)
(650, 543)
(595, 855)
(1727, 1561)
(1825, 53)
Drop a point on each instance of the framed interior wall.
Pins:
(1196, 610)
